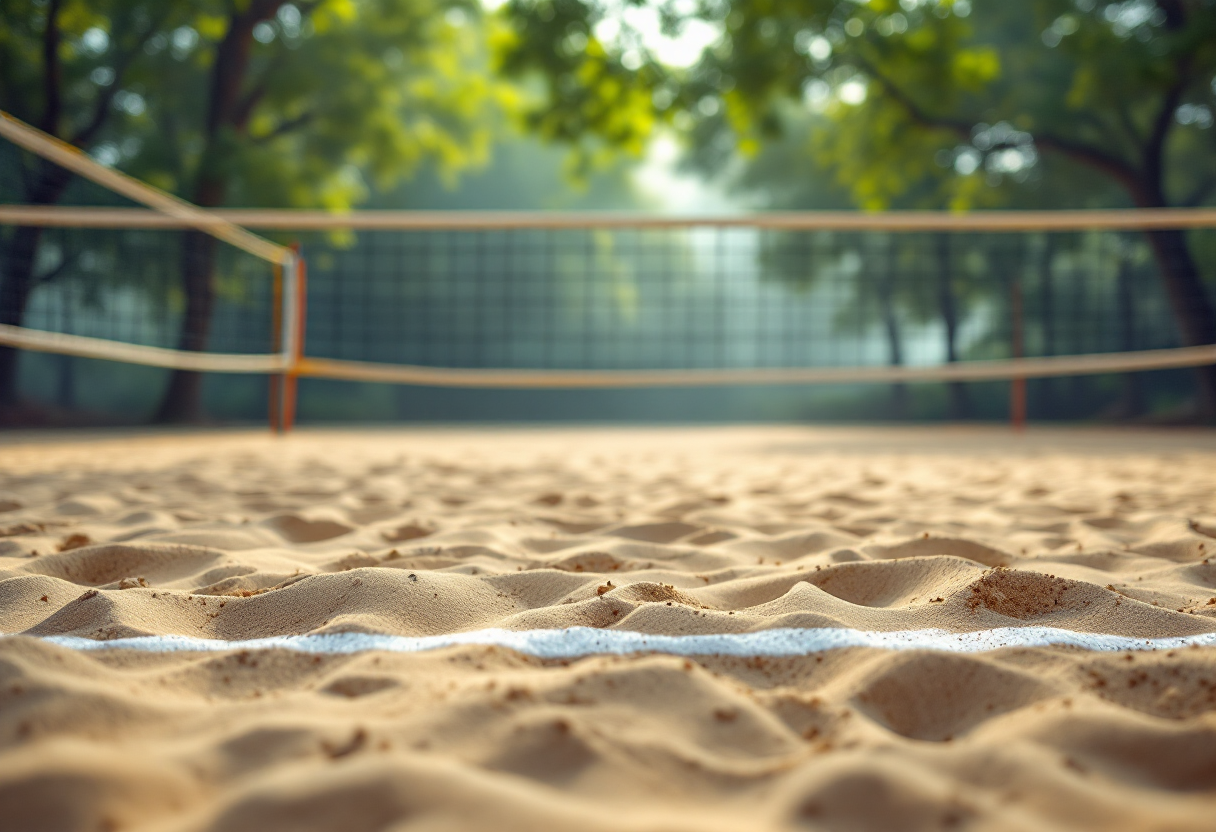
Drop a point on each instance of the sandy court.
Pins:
(672, 531)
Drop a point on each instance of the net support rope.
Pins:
(82, 346)
(976, 370)
(177, 213)
(185, 213)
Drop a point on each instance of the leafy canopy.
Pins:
(336, 95)
(933, 101)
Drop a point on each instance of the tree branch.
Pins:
(285, 127)
(1129, 126)
(918, 114)
(1205, 188)
(1094, 157)
(244, 107)
(1175, 13)
(1100, 160)
(51, 274)
(243, 110)
(308, 8)
(101, 109)
(1154, 147)
(231, 64)
(52, 78)
(1121, 130)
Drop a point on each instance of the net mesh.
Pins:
(731, 297)
(126, 285)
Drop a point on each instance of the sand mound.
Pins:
(926, 545)
(1023, 595)
(940, 697)
(296, 529)
(235, 537)
(110, 563)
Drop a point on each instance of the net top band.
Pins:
(377, 220)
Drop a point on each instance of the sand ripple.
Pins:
(655, 534)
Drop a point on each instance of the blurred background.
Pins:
(681, 108)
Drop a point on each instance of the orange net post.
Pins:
(274, 409)
(289, 380)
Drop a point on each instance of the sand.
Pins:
(236, 535)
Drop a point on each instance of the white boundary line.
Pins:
(575, 642)
(303, 220)
(85, 347)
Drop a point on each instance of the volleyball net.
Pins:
(565, 300)
(183, 290)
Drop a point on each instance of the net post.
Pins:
(273, 410)
(1017, 384)
(293, 312)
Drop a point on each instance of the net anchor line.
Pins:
(187, 214)
(985, 370)
(342, 370)
(83, 346)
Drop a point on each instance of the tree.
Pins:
(239, 102)
(62, 65)
(912, 89)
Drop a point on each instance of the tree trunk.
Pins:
(183, 399)
(1131, 402)
(65, 393)
(959, 407)
(1079, 402)
(1191, 305)
(227, 109)
(890, 320)
(1047, 319)
(19, 261)
(16, 286)
(45, 185)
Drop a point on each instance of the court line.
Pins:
(576, 642)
